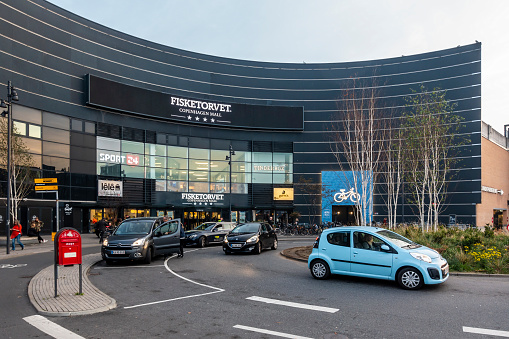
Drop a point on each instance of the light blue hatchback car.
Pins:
(374, 252)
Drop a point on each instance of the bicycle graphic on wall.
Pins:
(343, 195)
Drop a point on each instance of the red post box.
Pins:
(68, 243)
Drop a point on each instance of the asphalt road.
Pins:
(208, 294)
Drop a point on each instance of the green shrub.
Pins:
(469, 250)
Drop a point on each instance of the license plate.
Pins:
(446, 270)
(117, 252)
(236, 245)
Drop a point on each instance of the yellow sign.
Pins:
(283, 193)
(46, 181)
(46, 188)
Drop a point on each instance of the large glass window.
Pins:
(177, 152)
(191, 169)
(132, 147)
(108, 144)
(198, 153)
(56, 135)
(176, 163)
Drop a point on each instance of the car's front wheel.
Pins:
(202, 242)
(410, 278)
(148, 256)
(320, 270)
(274, 245)
(258, 248)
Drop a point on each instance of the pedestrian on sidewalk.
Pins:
(101, 228)
(16, 235)
(36, 225)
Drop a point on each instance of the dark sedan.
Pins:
(250, 237)
(209, 233)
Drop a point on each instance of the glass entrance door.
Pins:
(195, 218)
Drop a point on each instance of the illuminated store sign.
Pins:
(107, 94)
(109, 188)
(114, 158)
(283, 193)
(269, 168)
(202, 199)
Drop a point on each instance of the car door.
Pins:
(167, 237)
(370, 261)
(264, 235)
(219, 233)
(336, 247)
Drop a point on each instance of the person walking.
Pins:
(182, 240)
(36, 225)
(100, 227)
(16, 235)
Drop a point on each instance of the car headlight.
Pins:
(254, 238)
(421, 256)
(225, 240)
(105, 242)
(139, 242)
(192, 236)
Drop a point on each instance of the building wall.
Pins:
(495, 174)
(46, 51)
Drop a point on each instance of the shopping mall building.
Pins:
(131, 127)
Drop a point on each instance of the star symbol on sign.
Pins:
(205, 119)
(188, 117)
(197, 119)
(212, 120)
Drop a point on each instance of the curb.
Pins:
(41, 291)
(289, 253)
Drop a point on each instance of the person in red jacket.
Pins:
(16, 235)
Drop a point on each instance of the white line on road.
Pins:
(261, 330)
(485, 331)
(217, 290)
(50, 328)
(292, 304)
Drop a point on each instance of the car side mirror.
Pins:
(385, 248)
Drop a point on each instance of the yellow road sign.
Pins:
(46, 188)
(45, 181)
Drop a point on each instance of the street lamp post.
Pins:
(12, 95)
(229, 158)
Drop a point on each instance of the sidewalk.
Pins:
(41, 289)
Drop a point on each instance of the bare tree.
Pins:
(358, 137)
(393, 172)
(22, 174)
(430, 134)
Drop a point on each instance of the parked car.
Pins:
(250, 237)
(376, 253)
(142, 239)
(209, 233)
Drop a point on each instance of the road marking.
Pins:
(485, 331)
(113, 267)
(50, 328)
(292, 304)
(261, 330)
(217, 290)
(12, 266)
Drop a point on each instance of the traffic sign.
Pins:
(45, 180)
(47, 188)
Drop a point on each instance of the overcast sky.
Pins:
(321, 31)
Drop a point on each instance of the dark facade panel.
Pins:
(46, 51)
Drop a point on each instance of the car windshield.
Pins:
(134, 227)
(246, 228)
(205, 227)
(397, 239)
